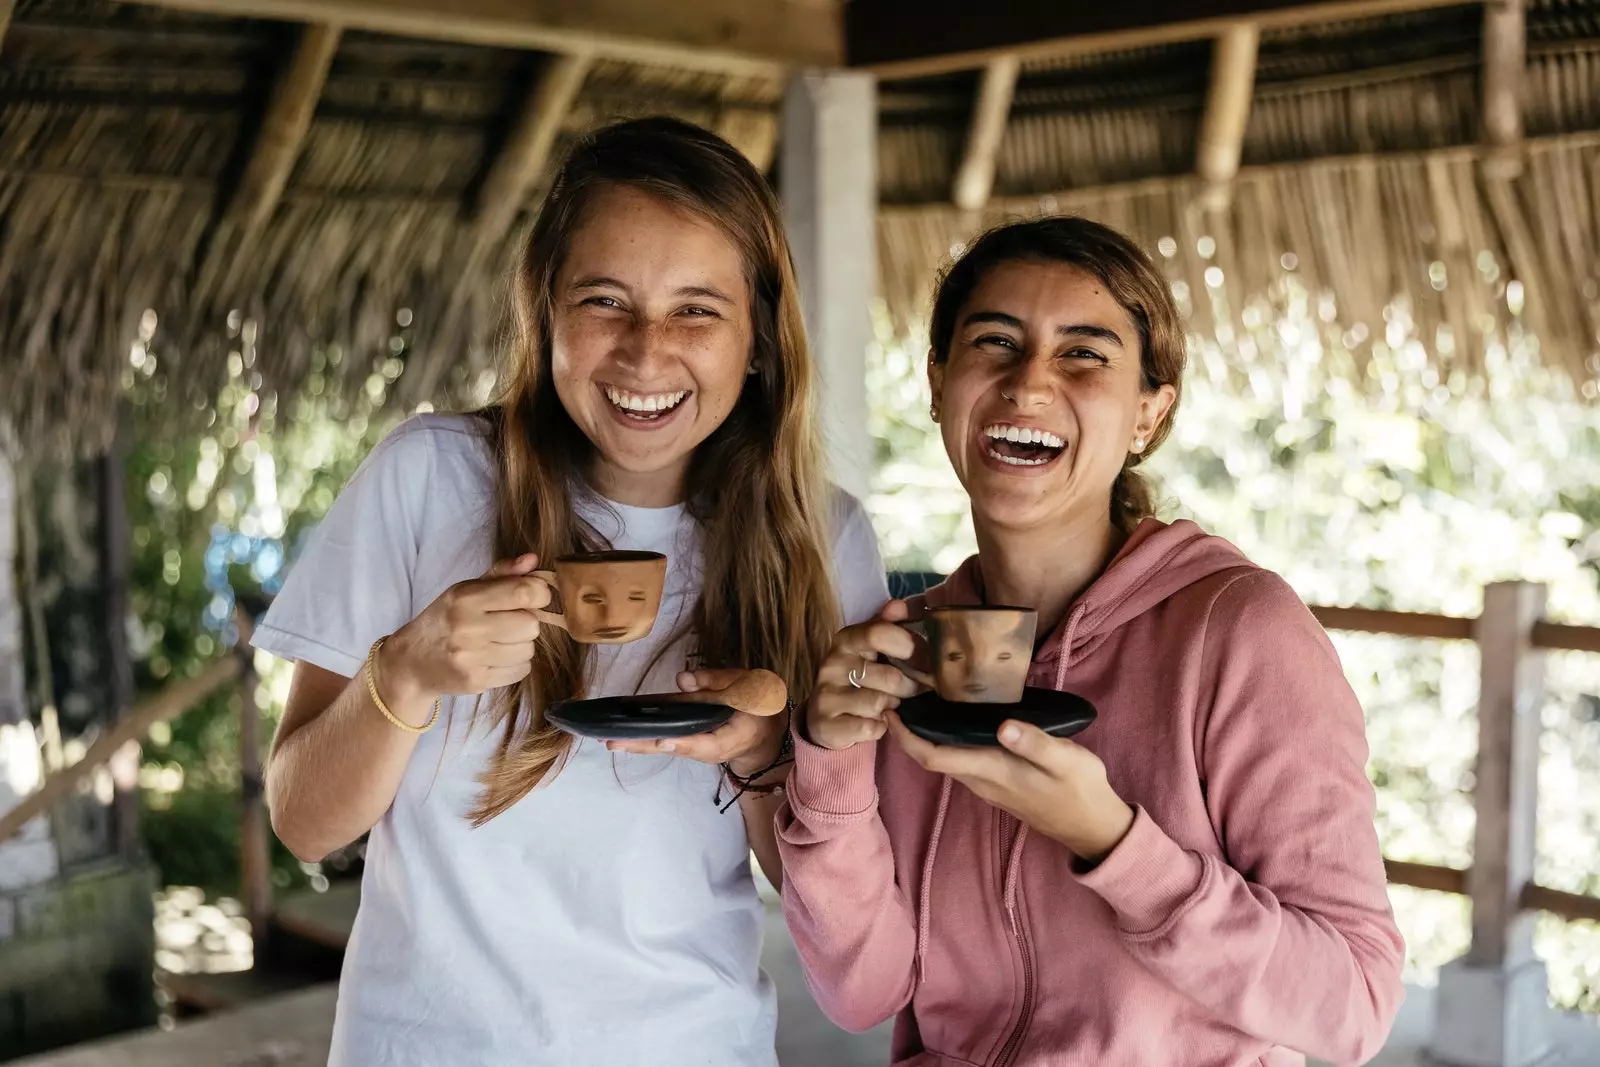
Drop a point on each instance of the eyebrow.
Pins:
(600, 281)
(1082, 329)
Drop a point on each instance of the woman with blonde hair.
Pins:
(529, 898)
(1194, 879)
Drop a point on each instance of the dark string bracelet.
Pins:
(744, 782)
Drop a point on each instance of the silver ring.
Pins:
(854, 680)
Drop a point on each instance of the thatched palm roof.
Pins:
(124, 128)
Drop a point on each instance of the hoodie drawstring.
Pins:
(1064, 649)
(924, 916)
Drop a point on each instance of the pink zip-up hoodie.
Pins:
(1244, 919)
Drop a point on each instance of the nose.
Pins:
(646, 348)
(1029, 383)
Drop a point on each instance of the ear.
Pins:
(1153, 409)
(935, 383)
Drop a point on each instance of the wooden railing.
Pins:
(1511, 635)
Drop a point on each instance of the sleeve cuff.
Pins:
(834, 785)
(1148, 879)
(298, 649)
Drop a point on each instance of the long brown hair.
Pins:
(1134, 283)
(755, 486)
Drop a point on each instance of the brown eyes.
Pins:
(593, 598)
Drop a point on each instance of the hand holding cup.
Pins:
(477, 635)
(855, 686)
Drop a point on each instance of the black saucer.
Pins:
(944, 722)
(636, 718)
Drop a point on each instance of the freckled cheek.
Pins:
(579, 346)
(716, 360)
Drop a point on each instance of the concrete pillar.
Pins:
(29, 858)
(1492, 1008)
(828, 174)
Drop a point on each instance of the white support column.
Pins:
(1492, 1006)
(29, 858)
(830, 196)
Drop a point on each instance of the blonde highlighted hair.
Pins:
(755, 485)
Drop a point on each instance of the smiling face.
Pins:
(650, 340)
(981, 656)
(1042, 398)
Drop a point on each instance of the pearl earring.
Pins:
(1138, 444)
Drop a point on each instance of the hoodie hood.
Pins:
(1158, 561)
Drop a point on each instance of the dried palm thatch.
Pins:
(124, 129)
(1365, 229)
(1360, 164)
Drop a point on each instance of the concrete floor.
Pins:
(293, 1031)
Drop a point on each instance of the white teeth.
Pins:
(1024, 436)
(646, 404)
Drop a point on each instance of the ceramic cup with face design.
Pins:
(981, 655)
(607, 598)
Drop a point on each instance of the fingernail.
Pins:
(1010, 733)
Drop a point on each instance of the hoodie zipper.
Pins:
(1013, 1045)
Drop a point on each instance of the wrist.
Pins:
(766, 758)
(399, 686)
(1095, 846)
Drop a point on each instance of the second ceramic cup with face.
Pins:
(981, 654)
(607, 598)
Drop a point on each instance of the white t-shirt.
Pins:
(610, 916)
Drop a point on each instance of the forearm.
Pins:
(852, 923)
(759, 811)
(332, 779)
(1322, 978)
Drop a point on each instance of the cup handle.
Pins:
(544, 615)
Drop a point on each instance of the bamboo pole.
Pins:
(975, 176)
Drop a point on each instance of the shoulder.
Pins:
(429, 449)
(857, 563)
(440, 436)
(1257, 618)
(846, 515)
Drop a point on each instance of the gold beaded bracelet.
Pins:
(369, 671)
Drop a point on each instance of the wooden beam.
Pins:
(526, 151)
(1504, 61)
(1556, 636)
(727, 35)
(912, 38)
(284, 127)
(1396, 623)
(173, 701)
(1505, 790)
(1233, 79)
(514, 171)
(975, 177)
(1557, 902)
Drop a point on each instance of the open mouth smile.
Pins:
(644, 407)
(1021, 446)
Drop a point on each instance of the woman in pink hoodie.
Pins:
(1194, 880)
